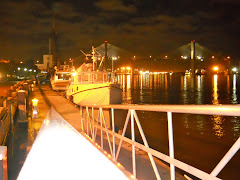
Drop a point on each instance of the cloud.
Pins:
(115, 6)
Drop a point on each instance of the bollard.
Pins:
(34, 108)
(3, 163)
(21, 105)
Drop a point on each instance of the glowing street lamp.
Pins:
(215, 68)
(113, 58)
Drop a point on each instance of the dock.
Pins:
(47, 98)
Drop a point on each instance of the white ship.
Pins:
(61, 78)
(91, 85)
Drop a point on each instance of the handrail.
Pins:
(224, 110)
(98, 123)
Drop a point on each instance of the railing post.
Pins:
(86, 114)
(100, 111)
(93, 135)
(171, 146)
(81, 115)
(133, 146)
(113, 130)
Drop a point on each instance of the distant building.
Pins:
(47, 63)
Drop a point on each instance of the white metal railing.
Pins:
(90, 124)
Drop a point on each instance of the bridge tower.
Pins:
(193, 58)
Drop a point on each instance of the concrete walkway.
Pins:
(71, 114)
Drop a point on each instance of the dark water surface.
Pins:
(199, 140)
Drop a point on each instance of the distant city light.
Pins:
(18, 68)
(34, 70)
(166, 56)
(228, 57)
(234, 69)
(199, 57)
(150, 56)
(21, 62)
(25, 69)
(213, 57)
(184, 57)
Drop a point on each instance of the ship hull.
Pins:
(59, 85)
(100, 94)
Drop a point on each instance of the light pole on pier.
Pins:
(113, 58)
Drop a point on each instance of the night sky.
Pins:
(147, 27)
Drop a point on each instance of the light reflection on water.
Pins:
(217, 119)
(179, 89)
(196, 134)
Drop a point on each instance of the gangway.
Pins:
(60, 152)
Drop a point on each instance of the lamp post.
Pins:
(113, 58)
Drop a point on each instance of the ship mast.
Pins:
(94, 56)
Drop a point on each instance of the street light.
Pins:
(215, 68)
(113, 58)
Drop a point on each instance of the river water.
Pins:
(199, 140)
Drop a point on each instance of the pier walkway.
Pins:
(71, 114)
